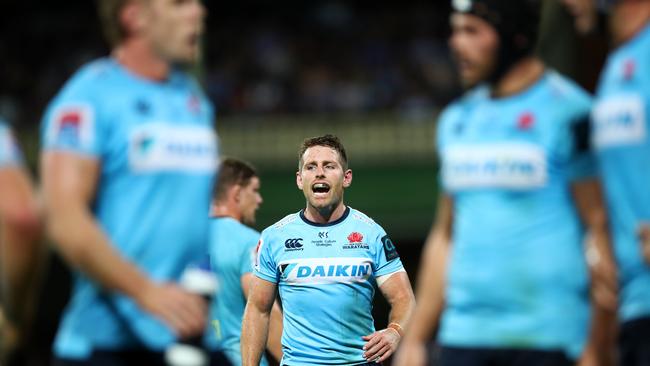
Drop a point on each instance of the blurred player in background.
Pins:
(236, 199)
(327, 260)
(504, 279)
(129, 155)
(20, 257)
(621, 121)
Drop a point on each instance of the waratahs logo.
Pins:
(355, 241)
(326, 270)
(355, 237)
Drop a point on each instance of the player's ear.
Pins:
(299, 180)
(235, 192)
(347, 178)
(132, 17)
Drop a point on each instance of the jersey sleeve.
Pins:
(247, 260)
(582, 162)
(443, 130)
(9, 152)
(265, 266)
(72, 121)
(386, 259)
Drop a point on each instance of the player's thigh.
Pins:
(532, 357)
(634, 343)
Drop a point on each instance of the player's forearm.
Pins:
(255, 327)
(274, 342)
(85, 247)
(20, 261)
(601, 344)
(20, 234)
(430, 289)
(402, 308)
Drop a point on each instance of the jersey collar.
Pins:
(339, 220)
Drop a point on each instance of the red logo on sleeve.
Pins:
(72, 126)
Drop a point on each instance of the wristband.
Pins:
(398, 328)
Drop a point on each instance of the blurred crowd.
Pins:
(260, 58)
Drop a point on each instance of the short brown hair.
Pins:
(326, 140)
(232, 172)
(109, 15)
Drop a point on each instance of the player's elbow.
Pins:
(404, 298)
(24, 221)
(63, 230)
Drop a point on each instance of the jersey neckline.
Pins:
(337, 221)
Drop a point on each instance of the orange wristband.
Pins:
(397, 328)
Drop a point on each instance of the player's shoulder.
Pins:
(359, 217)
(563, 88)
(360, 220)
(569, 101)
(283, 223)
(89, 74)
(623, 64)
(249, 233)
(87, 81)
(235, 228)
(468, 100)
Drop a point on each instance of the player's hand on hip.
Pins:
(182, 311)
(411, 353)
(380, 345)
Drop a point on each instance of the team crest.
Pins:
(72, 126)
(355, 241)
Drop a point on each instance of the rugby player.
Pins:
(235, 201)
(20, 254)
(503, 279)
(327, 260)
(620, 123)
(128, 161)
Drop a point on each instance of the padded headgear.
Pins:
(516, 22)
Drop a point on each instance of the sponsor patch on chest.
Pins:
(325, 270)
(162, 147)
(503, 165)
(619, 121)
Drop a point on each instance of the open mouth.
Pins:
(320, 188)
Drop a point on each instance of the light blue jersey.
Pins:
(9, 152)
(327, 278)
(621, 120)
(157, 152)
(232, 250)
(517, 276)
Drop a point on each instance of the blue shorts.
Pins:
(634, 343)
(461, 356)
